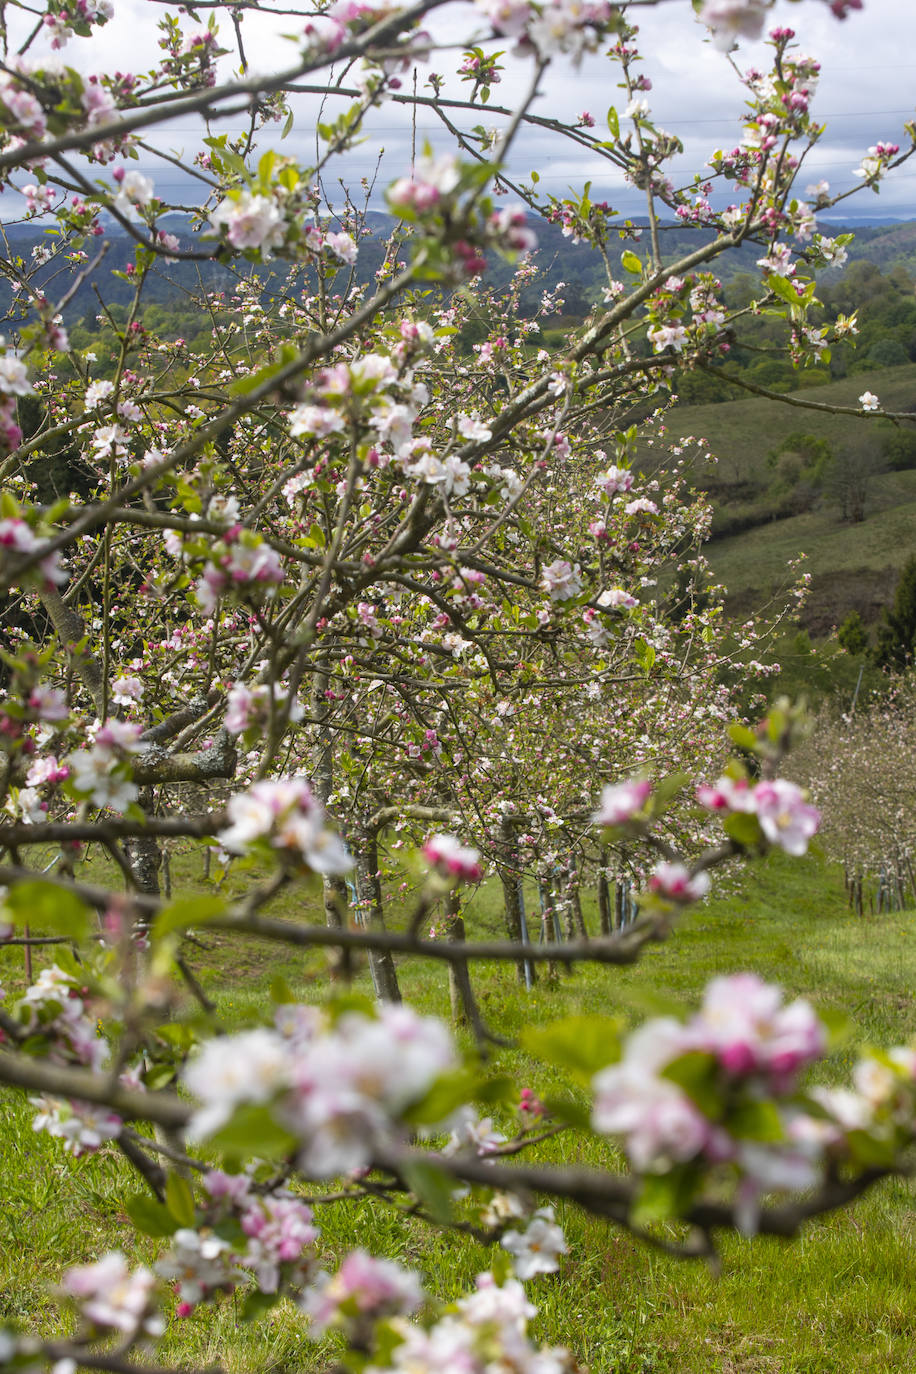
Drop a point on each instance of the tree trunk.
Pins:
(335, 900)
(461, 994)
(574, 900)
(143, 853)
(381, 964)
(512, 904)
(549, 930)
(605, 913)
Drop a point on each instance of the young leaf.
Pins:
(432, 1187)
(179, 1199)
(151, 1217)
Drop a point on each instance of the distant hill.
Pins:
(853, 565)
(579, 266)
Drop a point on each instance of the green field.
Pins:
(841, 1298)
(853, 566)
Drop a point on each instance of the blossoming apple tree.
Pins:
(332, 572)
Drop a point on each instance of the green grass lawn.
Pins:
(842, 1297)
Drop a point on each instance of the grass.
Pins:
(742, 432)
(841, 1297)
(851, 565)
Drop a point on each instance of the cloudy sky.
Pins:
(867, 90)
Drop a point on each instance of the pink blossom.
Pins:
(561, 580)
(661, 1125)
(674, 880)
(112, 1298)
(623, 802)
(728, 794)
(363, 1287)
(731, 19)
(616, 598)
(250, 221)
(279, 1231)
(615, 479)
(14, 377)
(785, 817)
(342, 246)
(745, 1023)
(285, 813)
(455, 860)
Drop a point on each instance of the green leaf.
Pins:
(149, 1216)
(741, 736)
(663, 1197)
(644, 654)
(47, 908)
(868, 1152)
(631, 263)
(666, 790)
(280, 991)
(179, 1199)
(257, 1304)
(613, 122)
(580, 1044)
(570, 1110)
(840, 1029)
(742, 828)
(432, 1186)
(253, 1131)
(448, 1092)
(185, 912)
(756, 1121)
(159, 1076)
(695, 1073)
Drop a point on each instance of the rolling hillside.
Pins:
(854, 565)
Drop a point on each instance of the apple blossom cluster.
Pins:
(112, 1297)
(452, 859)
(369, 1299)
(370, 391)
(487, 1330)
(674, 882)
(339, 1088)
(284, 815)
(276, 221)
(14, 381)
(18, 538)
(249, 708)
(62, 1028)
(722, 1092)
(241, 564)
(752, 1048)
(363, 1290)
(23, 115)
(53, 1008)
(432, 195)
(623, 803)
(785, 818)
(242, 1233)
(876, 163)
(559, 26)
(102, 774)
